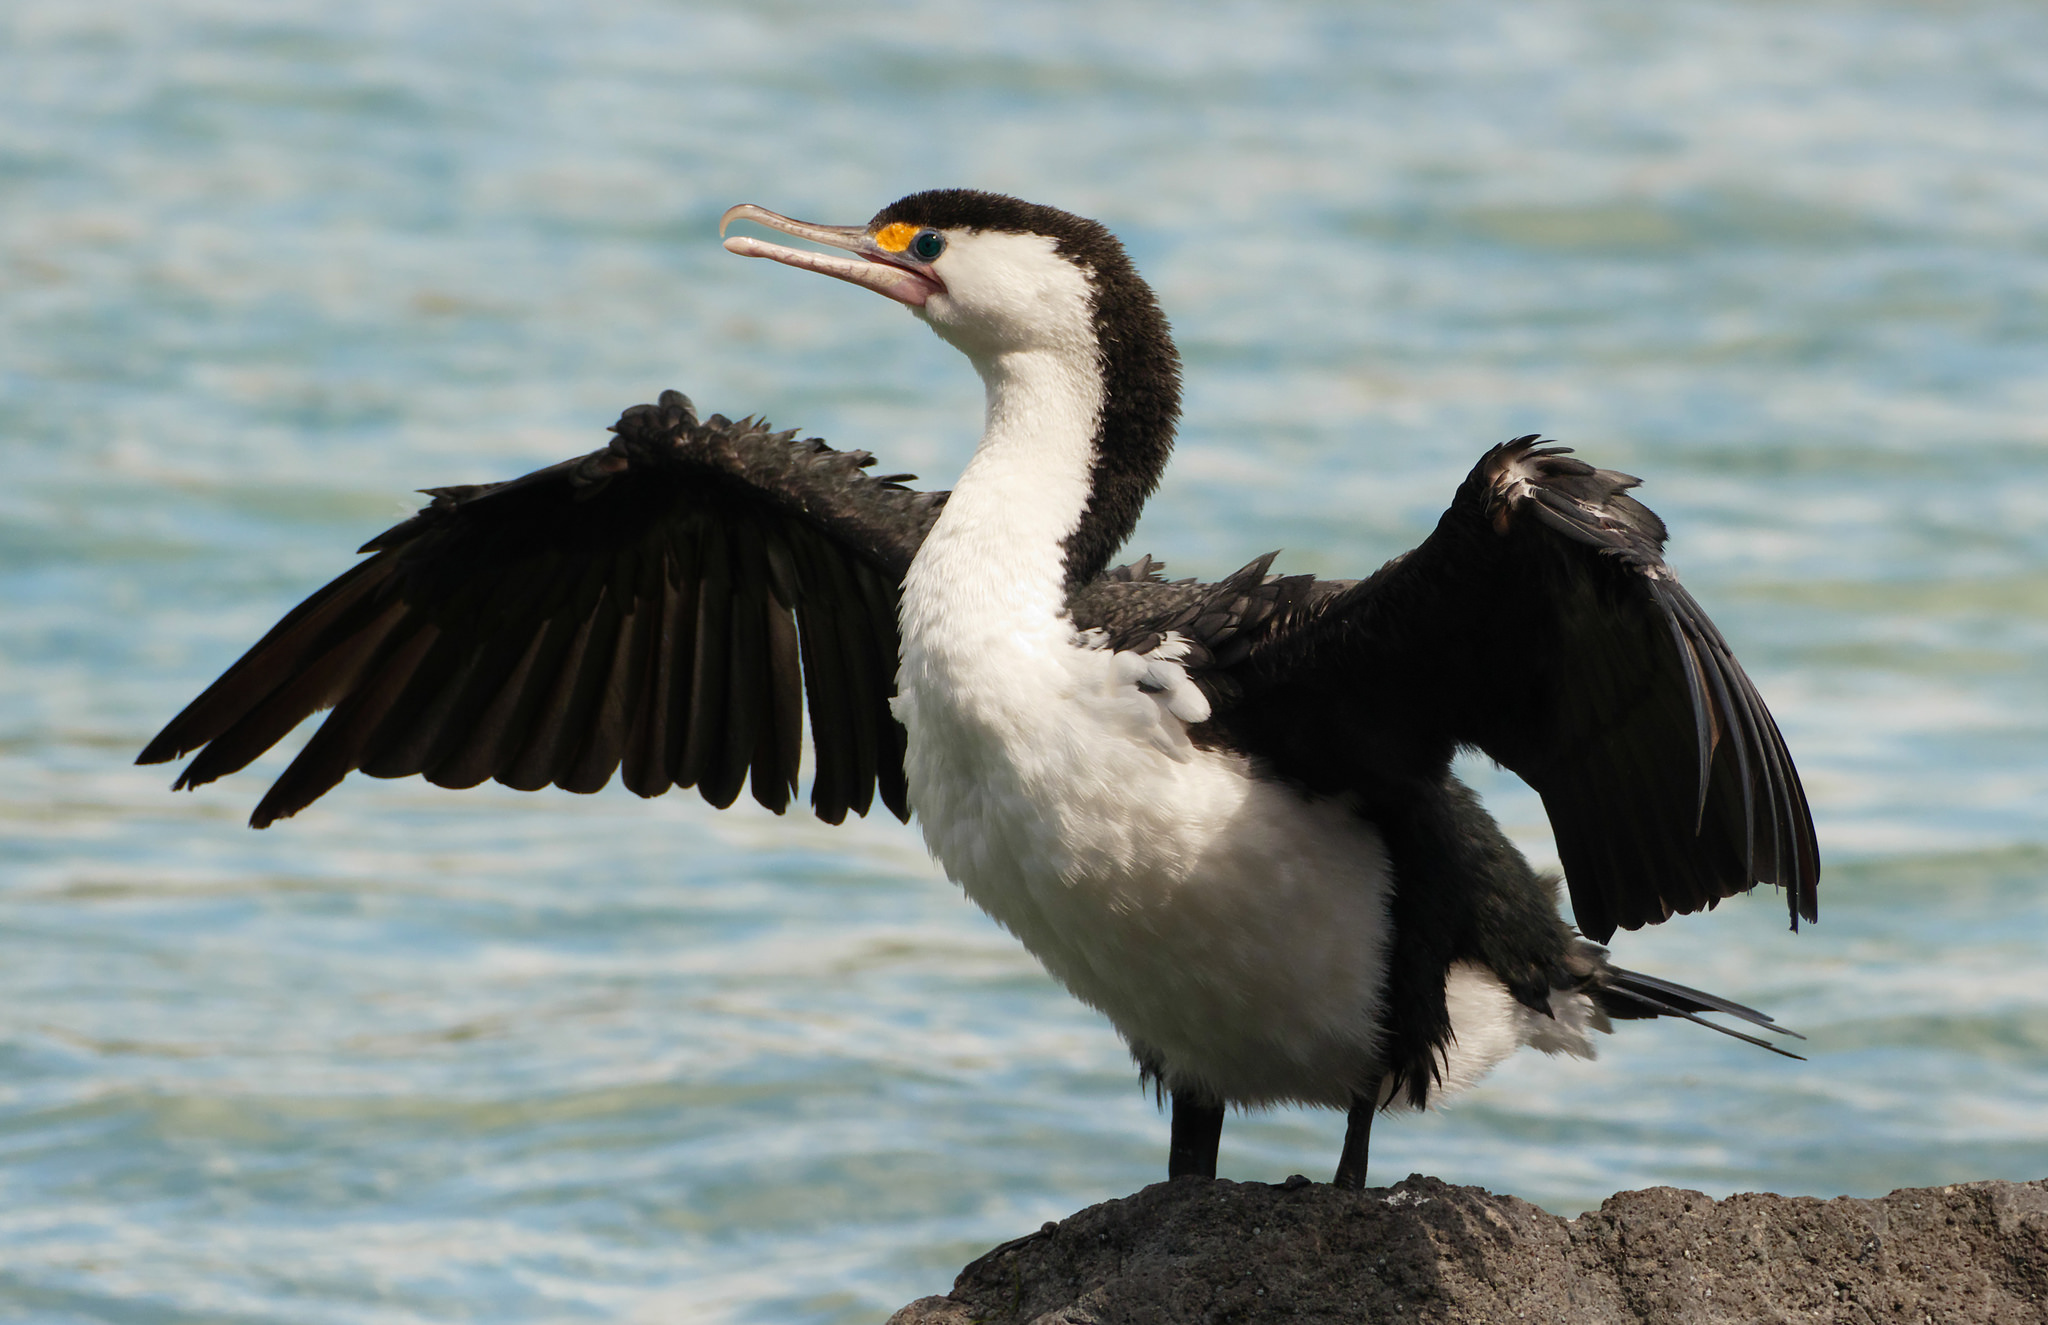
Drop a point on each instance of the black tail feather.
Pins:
(1629, 994)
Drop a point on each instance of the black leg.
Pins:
(1357, 1137)
(1197, 1130)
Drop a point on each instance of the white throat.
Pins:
(994, 563)
(995, 557)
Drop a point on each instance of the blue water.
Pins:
(423, 1056)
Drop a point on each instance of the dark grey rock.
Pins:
(1196, 1250)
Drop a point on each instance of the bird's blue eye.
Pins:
(928, 245)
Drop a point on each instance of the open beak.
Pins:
(896, 275)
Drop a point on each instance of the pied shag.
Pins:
(1223, 814)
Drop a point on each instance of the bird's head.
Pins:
(1010, 284)
(990, 274)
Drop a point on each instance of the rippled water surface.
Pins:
(423, 1056)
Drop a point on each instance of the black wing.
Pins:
(656, 608)
(1539, 623)
(1219, 626)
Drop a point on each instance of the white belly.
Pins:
(1233, 931)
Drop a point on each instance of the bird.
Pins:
(1222, 813)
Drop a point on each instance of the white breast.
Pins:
(1234, 932)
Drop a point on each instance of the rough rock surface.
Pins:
(1424, 1251)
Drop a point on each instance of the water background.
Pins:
(425, 1056)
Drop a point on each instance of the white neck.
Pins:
(995, 554)
(987, 591)
(994, 563)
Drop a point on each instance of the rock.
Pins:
(1424, 1251)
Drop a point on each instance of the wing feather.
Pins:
(706, 727)
(1540, 624)
(644, 764)
(496, 693)
(878, 598)
(260, 723)
(418, 715)
(856, 660)
(779, 751)
(604, 734)
(832, 706)
(746, 664)
(656, 610)
(550, 696)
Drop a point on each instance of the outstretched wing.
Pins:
(657, 608)
(1539, 623)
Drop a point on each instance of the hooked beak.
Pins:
(896, 275)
